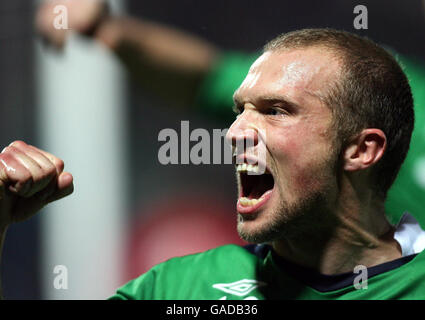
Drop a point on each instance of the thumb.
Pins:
(65, 186)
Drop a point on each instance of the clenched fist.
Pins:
(30, 178)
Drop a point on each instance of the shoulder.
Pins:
(215, 260)
(191, 275)
(208, 256)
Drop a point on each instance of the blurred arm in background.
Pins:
(168, 62)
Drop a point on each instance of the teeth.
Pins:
(248, 202)
(247, 168)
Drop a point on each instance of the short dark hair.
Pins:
(372, 92)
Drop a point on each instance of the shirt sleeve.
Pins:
(215, 96)
(140, 288)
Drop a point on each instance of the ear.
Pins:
(365, 150)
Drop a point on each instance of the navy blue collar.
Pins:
(316, 280)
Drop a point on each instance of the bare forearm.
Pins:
(169, 62)
(166, 61)
(163, 46)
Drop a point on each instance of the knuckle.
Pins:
(7, 149)
(59, 164)
(18, 144)
(41, 175)
(50, 171)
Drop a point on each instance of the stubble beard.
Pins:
(286, 221)
(309, 216)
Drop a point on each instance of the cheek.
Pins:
(288, 155)
(288, 150)
(305, 179)
(302, 164)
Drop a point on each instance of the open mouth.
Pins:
(255, 188)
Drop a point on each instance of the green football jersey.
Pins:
(233, 272)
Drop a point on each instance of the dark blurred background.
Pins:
(232, 25)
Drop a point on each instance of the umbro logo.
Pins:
(239, 288)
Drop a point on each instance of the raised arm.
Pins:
(166, 61)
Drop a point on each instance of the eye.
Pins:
(276, 111)
(237, 110)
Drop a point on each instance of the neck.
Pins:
(358, 235)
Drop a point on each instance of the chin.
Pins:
(258, 230)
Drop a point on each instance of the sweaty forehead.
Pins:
(295, 71)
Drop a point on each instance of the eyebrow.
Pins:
(268, 98)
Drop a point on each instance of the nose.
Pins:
(243, 133)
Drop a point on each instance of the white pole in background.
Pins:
(81, 101)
